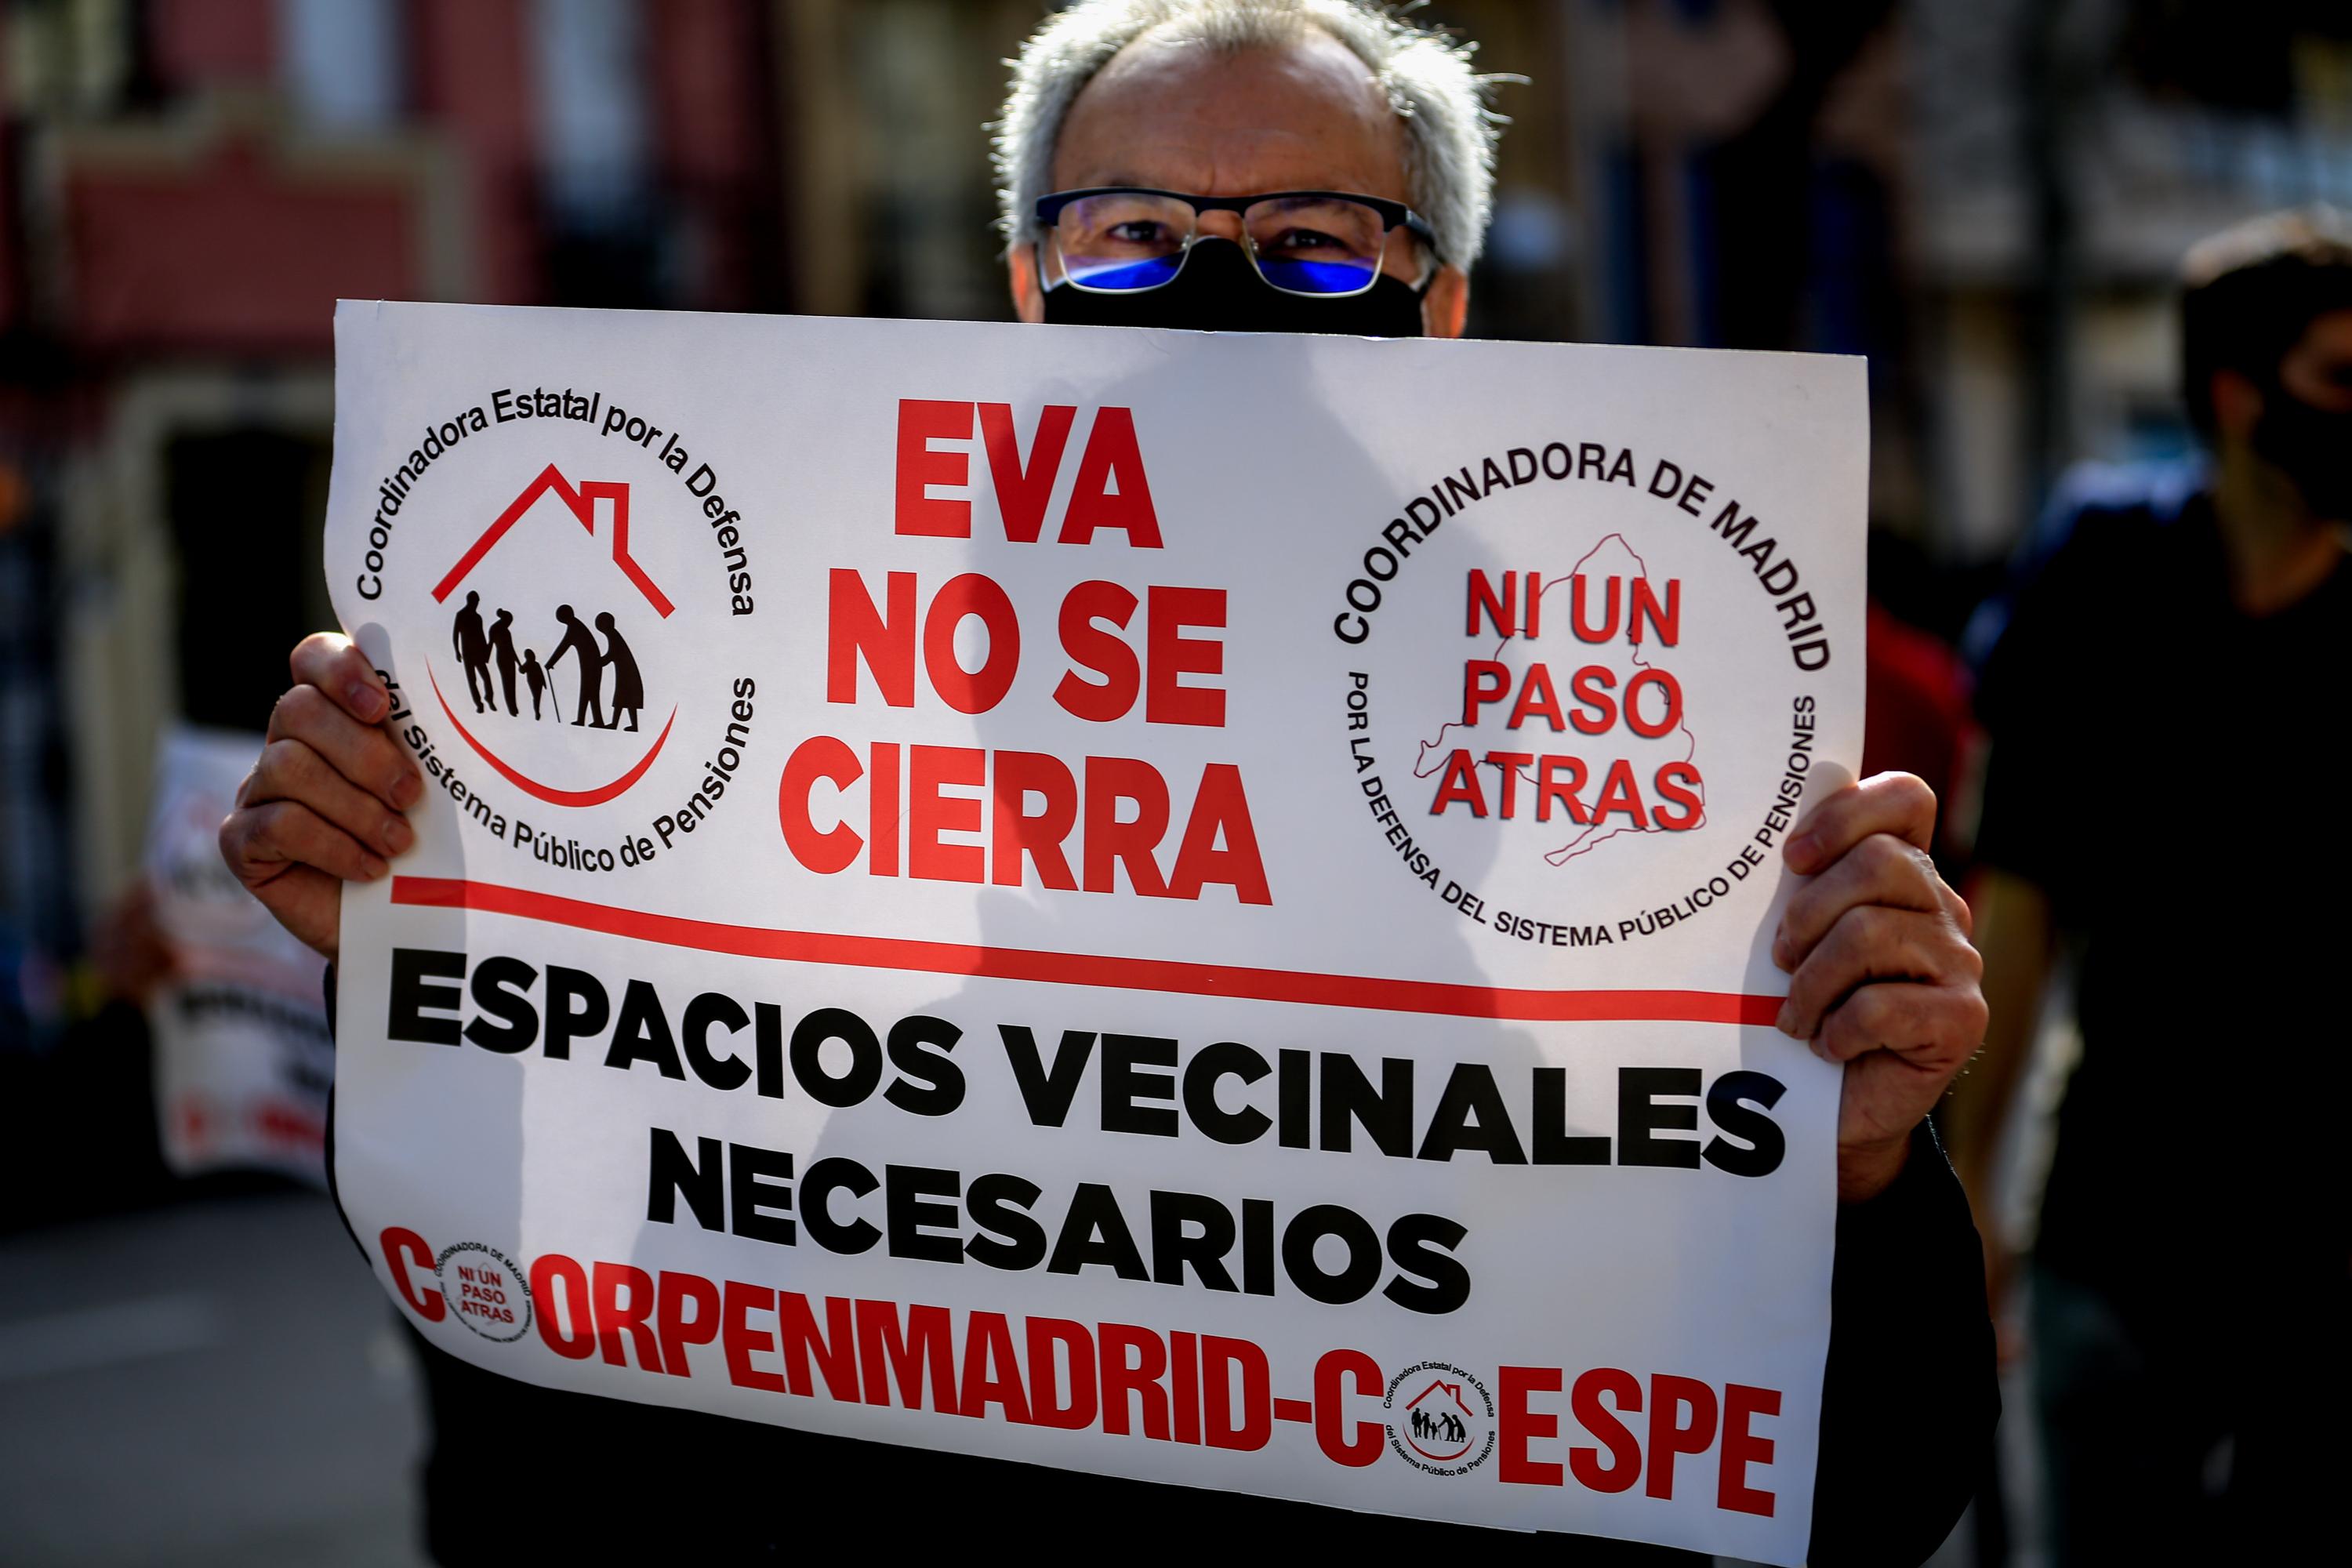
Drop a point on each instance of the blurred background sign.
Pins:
(243, 1058)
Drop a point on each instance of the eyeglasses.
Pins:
(1126, 240)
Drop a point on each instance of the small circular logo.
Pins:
(485, 1290)
(1441, 1418)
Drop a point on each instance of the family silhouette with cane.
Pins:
(479, 646)
(1441, 1426)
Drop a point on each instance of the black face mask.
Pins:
(2312, 446)
(1218, 290)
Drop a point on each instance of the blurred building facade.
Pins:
(1986, 197)
(1989, 197)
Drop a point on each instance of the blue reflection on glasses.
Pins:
(1300, 276)
(1148, 273)
(1314, 276)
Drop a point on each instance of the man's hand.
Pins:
(323, 805)
(1883, 976)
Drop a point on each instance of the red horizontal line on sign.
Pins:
(1087, 969)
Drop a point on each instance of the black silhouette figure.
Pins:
(628, 685)
(577, 637)
(1443, 1426)
(534, 677)
(502, 645)
(473, 649)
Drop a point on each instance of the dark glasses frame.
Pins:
(1393, 215)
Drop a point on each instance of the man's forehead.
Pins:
(1178, 113)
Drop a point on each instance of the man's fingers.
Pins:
(1937, 1025)
(308, 902)
(1882, 869)
(1897, 804)
(261, 842)
(295, 864)
(290, 771)
(331, 662)
(322, 805)
(365, 754)
(1869, 945)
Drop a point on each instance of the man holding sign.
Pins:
(1087, 960)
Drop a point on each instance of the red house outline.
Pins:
(581, 501)
(1452, 1392)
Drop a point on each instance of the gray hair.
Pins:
(1450, 133)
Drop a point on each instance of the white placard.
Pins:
(1186, 906)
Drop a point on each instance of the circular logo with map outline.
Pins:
(1596, 724)
(485, 1290)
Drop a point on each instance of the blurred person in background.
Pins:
(1115, 104)
(1916, 717)
(2167, 675)
(87, 1105)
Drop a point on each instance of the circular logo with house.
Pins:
(569, 590)
(1441, 1418)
